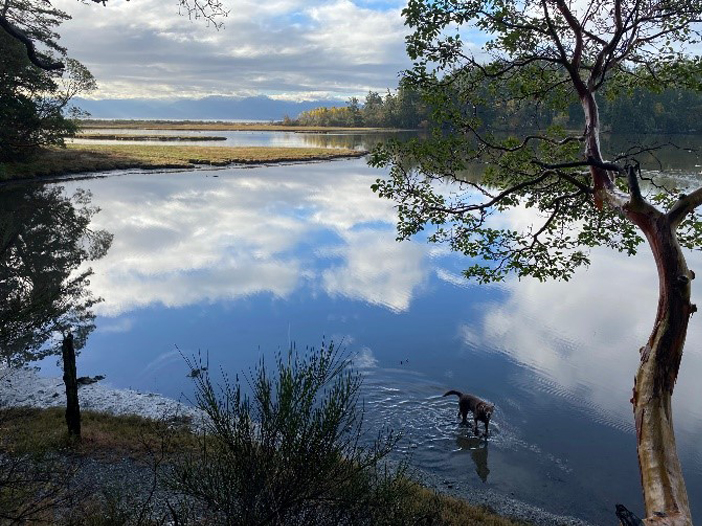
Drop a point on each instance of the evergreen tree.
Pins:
(34, 102)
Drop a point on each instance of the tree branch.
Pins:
(685, 205)
(496, 199)
(34, 58)
(634, 188)
(576, 164)
(525, 142)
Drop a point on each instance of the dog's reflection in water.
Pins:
(478, 448)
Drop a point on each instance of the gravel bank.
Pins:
(498, 502)
(25, 388)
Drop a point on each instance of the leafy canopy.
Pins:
(538, 57)
(35, 105)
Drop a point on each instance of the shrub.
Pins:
(290, 452)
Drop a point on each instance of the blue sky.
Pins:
(285, 49)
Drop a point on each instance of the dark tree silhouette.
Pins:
(35, 103)
(45, 240)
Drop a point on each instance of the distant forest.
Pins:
(402, 109)
(671, 111)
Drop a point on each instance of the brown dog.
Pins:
(481, 409)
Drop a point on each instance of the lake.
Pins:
(291, 139)
(237, 263)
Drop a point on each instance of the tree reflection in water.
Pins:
(45, 241)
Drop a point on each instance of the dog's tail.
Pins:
(457, 393)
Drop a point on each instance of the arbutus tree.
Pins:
(541, 56)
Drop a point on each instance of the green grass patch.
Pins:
(38, 431)
(80, 158)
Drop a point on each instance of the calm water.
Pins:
(238, 263)
(359, 141)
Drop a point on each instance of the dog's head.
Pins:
(485, 410)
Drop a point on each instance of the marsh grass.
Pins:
(79, 158)
(134, 137)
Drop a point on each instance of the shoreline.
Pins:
(26, 388)
(138, 138)
(86, 158)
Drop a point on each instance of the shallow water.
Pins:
(238, 263)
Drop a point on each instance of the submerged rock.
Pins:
(87, 380)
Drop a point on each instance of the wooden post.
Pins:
(70, 379)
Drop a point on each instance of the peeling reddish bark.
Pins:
(662, 480)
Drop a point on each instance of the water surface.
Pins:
(236, 263)
(292, 139)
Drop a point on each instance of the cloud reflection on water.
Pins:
(256, 258)
(181, 241)
(583, 336)
(184, 240)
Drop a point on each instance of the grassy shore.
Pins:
(78, 158)
(216, 126)
(31, 433)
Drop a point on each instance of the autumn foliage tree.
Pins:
(544, 55)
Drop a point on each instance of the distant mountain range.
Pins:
(225, 108)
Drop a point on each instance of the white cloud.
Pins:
(571, 334)
(285, 48)
(121, 325)
(453, 278)
(358, 35)
(303, 96)
(365, 359)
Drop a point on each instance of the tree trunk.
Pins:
(662, 480)
(71, 381)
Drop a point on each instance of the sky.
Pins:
(285, 49)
